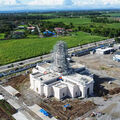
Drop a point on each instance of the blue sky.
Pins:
(59, 4)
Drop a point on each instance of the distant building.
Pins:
(59, 31)
(48, 33)
(103, 51)
(68, 30)
(18, 34)
(116, 57)
(31, 28)
(59, 79)
(21, 27)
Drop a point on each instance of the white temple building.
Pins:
(49, 81)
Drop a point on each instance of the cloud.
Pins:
(96, 2)
(68, 2)
(62, 3)
(10, 2)
(46, 2)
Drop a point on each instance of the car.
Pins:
(49, 61)
(21, 63)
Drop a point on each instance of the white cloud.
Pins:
(9, 2)
(64, 3)
(46, 2)
(111, 2)
(96, 2)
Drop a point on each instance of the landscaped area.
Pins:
(20, 49)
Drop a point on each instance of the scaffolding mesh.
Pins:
(59, 56)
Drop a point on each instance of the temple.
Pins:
(60, 79)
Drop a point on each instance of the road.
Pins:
(44, 57)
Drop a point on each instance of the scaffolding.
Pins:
(60, 58)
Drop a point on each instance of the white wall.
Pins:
(48, 91)
(76, 92)
(31, 82)
(58, 92)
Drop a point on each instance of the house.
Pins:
(59, 31)
(48, 33)
(31, 28)
(18, 34)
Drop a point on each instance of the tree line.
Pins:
(106, 32)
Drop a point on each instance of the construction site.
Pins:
(106, 90)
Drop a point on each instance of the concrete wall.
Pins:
(60, 93)
(48, 91)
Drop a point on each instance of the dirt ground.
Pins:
(77, 108)
(6, 111)
(52, 105)
(101, 64)
(4, 116)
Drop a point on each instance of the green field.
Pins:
(75, 21)
(16, 50)
(113, 25)
(114, 14)
(2, 35)
(84, 21)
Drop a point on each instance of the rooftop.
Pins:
(104, 49)
(47, 77)
(44, 65)
(78, 79)
(60, 85)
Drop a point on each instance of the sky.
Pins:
(58, 4)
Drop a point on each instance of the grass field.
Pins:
(75, 21)
(114, 14)
(16, 50)
(84, 21)
(2, 35)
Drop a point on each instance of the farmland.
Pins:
(16, 50)
(84, 21)
(75, 21)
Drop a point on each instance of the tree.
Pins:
(117, 40)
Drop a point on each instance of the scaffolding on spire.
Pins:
(59, 56)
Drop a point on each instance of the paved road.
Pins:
(44, 57)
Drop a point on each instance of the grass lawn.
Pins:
(2, 35)
(16, 50)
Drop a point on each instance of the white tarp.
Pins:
(1, 97)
